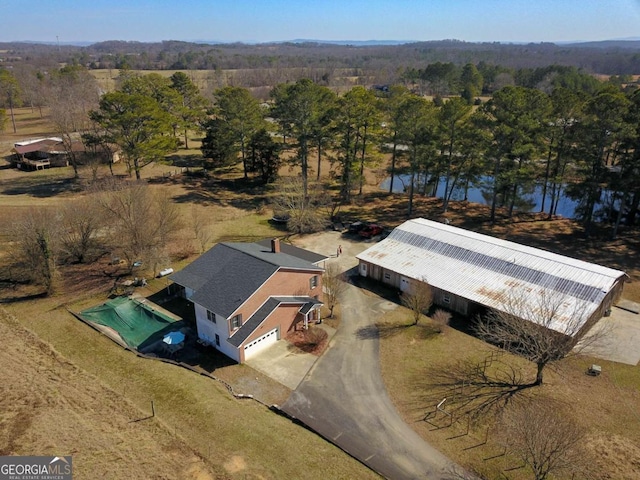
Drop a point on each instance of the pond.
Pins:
(480, 192)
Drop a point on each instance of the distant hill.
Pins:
(354, 43)
(632, 44)
(378, 60)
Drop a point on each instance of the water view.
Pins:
(480, 192)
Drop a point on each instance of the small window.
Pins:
(387, 276)
(211, 316)
(313, 281)
(446, 298)
(236, 321)
(217, 340)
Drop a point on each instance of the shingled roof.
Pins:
(267, 308)
(224, 277)
(292, 250)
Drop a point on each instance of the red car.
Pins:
(371, 231)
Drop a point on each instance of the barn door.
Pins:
(363, 269)
(405, 283)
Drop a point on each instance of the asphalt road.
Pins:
(344, 399)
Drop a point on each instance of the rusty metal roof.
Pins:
(492, 271)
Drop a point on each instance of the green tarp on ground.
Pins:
(138, 324)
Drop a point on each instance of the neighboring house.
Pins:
(40, 153)
(469, 272)
(43, 153)
(247, 296)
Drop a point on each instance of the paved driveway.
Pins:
(619, 337)
(344, 399)
(285, 363)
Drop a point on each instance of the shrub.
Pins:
(441, 318)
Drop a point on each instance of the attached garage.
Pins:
(261, 343)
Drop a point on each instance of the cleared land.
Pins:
(607, 406)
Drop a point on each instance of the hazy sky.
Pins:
(273, 20)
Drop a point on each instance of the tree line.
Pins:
(580, 140)
(570, 134)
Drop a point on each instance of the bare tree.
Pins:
(81, 222)
(334, 285)
(306, 213)
(142, 221)
(201, 229)
(37, 238)
(74, 93)
(544, 439)
(418, 299)
(541, 326)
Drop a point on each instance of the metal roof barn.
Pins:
(490, 271)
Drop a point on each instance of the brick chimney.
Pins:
(275, 245)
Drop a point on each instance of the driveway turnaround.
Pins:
(618, 335)
(344, 399)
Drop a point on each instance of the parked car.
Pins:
(356, 227)
(371, 231)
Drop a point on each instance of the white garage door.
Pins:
(260, 343)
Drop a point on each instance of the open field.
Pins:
(50, 406)
(200, 430)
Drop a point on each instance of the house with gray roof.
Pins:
(246, 296)
(469, 272)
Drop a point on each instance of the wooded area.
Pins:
(441, 129)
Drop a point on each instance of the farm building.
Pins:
(49, 152)
(247, 296)
(469, 272)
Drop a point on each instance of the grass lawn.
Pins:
(199, 427)
(235, 438)
(415, 360)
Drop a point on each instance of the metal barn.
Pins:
(468, 271)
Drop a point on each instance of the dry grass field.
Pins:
(607, 406)
(63, 375)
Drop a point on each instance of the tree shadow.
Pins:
(42, 189)
(387, 330)
(471, 388)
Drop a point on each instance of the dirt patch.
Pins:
(235, 464)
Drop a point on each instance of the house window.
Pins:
(387, 276)
(313, 281)
(217, 340)
(446, 298)
(236, 321)
(211, 316)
